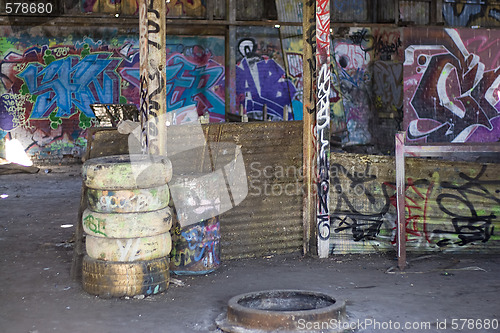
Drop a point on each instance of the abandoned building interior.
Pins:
(159, 158)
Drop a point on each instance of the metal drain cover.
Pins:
(281, 311)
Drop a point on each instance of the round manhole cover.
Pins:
(282, 310)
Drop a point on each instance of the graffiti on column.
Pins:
(452, 90)
(323, 124)
(156, 85)
(260, 81)
(195, 76)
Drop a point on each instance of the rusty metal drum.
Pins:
(196, 248)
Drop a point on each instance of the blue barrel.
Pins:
(196, 248)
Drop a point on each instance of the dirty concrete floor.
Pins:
(37, 294)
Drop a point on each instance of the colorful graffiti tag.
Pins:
(471, 13)
(452, 89)
(48, 85)
(195, 75)
(261, 80)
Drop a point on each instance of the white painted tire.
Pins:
(117, 279)
(127, 225)
(126, 172)
(128, 201)
(129, 249)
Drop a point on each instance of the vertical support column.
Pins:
(230, 55)
(400, 200)
(309, 125)
(152, 23)
(143, 68)
(323, 124)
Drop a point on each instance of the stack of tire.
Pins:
(127, 225)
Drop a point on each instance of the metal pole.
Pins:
(153, 60)
(400, 200)
(309, 124)
(323, 83)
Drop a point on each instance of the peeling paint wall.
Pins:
(450, 206)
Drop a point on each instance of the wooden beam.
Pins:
(153, 58)
(309, 124)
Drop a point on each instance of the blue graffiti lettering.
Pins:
(189, 84)
(71, 83)
(262, 83)
(470, 11)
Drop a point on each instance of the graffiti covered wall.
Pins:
(51, 76)
(261, 76)
(367, 80)
(481, 13)
(450, 206)
(452, 85)
(195, 76)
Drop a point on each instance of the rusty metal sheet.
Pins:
(350, 11)
(269, 220)
(416, 12)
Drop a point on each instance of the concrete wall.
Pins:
(450, 206)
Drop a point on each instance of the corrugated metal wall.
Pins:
(450, 206)
(350, 11)
(269, 220)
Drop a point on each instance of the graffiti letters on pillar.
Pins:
(455, 95)
(259, 81)
(70, 83)
(156, 76)
(469, 224)
(323, 121)
(365, 214)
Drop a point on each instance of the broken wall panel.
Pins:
(451, 85)
(450, 206)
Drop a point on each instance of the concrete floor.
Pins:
(37, 294)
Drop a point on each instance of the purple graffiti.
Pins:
(455, 95)
(263, 82)
(71, 83)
